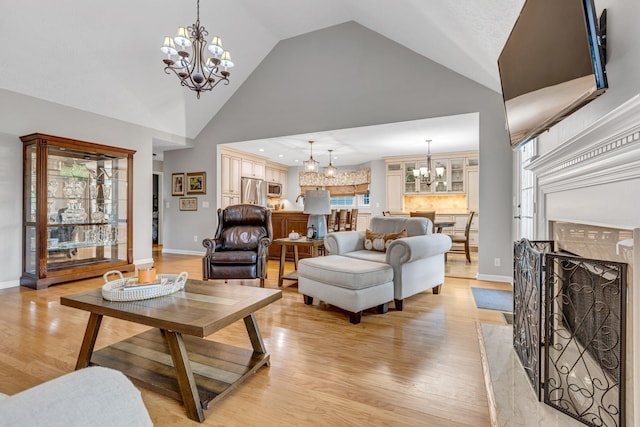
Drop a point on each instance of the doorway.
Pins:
(156, 213)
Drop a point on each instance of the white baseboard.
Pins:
(182, 252)
(138, 262)
(9, 284)
(494, 278)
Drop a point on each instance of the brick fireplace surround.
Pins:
(594, 179)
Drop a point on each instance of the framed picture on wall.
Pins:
(177, 184)
(188, 203)
(196, 183)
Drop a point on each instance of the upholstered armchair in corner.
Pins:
(239, 248)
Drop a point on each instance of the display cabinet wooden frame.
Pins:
(77, 210)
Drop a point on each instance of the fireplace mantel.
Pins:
(594, 178)
(604, 150)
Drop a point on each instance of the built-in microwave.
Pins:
(274, 189)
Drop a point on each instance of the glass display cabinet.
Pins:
(77, 210)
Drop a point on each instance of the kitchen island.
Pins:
(284, 222)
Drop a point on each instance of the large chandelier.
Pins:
(330, 171)
(425, 171)
(195, 71)
(311, 165)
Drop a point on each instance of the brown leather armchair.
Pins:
(239, 248)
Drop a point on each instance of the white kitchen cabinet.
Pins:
(229, 199)
(395, 184)
(460, 225)
(473, 232)
(362, 222)
(272, 174)
(253, 169)
(230, 174)
(275, 173)
(473, 189)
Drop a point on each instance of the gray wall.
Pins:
(623, 70)
(22, 115)
(347, 76)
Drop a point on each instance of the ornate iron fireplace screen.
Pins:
(585, 330)
(528, 306)
(581, 303)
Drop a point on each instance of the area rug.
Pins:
(493, 299)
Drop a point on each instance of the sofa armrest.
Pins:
(89, 397)
(344, 241)
(409, 249)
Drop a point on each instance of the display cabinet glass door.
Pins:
(86, 209)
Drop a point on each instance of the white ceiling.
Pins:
(359, 145)
(104, 57)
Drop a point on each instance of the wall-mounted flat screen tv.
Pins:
(551, 65)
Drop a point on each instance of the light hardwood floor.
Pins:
(417, 367)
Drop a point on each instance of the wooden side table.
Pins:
(302, 241)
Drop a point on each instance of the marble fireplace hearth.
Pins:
(512, 401)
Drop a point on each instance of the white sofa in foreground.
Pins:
(95, 396)
(417, 262)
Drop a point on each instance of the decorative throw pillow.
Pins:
(380, 241)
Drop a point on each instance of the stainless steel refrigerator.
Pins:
(254, 191)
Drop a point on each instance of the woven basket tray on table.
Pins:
(124, 289)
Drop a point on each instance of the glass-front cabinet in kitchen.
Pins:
(411, 170)
(77, 210)
(444, 176)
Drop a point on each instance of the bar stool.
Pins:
(331, 220)
(352, 221)
(342, 220)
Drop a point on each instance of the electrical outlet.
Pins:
(496, 262)
(195, 239)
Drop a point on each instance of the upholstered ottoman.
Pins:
(351, 284)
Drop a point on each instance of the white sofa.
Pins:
(417, 260)
(95, 396)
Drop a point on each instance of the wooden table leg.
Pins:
(254, 335)
(186, 382)
(283, 257)
(89, 341)
(295, 257)
(314, 251)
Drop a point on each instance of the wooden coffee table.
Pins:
(174, 359)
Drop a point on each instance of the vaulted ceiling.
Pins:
(104, 57)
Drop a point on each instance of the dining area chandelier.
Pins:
(187, 58)
(424, 172)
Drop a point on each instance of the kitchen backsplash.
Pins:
(450, 203)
